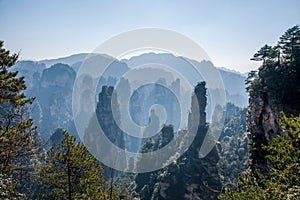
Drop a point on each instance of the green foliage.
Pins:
(7, 188)
(10, 85)
(233, 144)
(284, 162)
(147, 182)
(273, 88)
(262, 54)
(191, 176)
(18, 145)
(279, 73)
(70, 172)
(251, 81)
(276, 83)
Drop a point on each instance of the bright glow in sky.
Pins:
(229, 31)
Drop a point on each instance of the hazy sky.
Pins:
(229, 31)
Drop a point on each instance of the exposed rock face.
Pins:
(31, 71)
(233, 81)
(190, 177)
(58, 75)
(106, 118)
(273, 89)
(50, 81)
(54, 100)
(107, 121)
(263, 120)
(193, 177)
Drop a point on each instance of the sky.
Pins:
(229, 31)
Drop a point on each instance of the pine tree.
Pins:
(274, 152)
(290, 44)
(262, 54)
(284, 183)
(69, 171)
(17, 135)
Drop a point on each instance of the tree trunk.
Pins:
(69, 175)
(111, 183)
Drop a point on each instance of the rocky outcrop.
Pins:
(51, 82)
(263, 118)
(273, 89)
(263, 123)
(54, 100)
(190, 176)
(107, 121)
(194, 177)
(105, 116)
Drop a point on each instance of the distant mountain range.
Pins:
(233, 80)
(51, 82)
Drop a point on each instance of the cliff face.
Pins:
(263, 122)
(189, 177)
(193, 177)
(106, 118)
(54, 95)
(52, 88)
(274, 89)
(51, 82)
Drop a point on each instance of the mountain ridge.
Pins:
(59, 83)
(82, 56)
